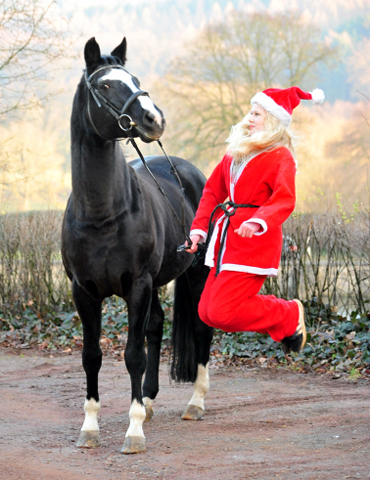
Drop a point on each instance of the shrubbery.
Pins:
(325, 263)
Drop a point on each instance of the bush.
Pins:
(325, 263)
(31, 270)
(326, 260)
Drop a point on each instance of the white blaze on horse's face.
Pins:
(126, 78)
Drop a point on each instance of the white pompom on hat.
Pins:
(281, 102)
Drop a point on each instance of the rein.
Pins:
(181, 221)
(119, 115)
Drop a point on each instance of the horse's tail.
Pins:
(184, 356)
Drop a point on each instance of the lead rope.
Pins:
(228, 214)
(181, 189)
(182, 221)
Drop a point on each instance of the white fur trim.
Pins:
(260, 222)
(210, 254)
(318, 96)
(199, 232)
(234, 267)
(272, 107)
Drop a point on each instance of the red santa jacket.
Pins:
(268, 180)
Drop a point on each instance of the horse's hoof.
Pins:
(88, 439)
(133, 445)
(193, 413)
(149, 413)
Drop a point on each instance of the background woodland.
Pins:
(201, 62)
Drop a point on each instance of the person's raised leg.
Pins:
(233, 304)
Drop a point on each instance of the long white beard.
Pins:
(238, 140)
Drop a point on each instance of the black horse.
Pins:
(120, 237)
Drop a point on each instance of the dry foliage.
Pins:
(34, 39)
(33, 173)
(326, 261)
(31, 271)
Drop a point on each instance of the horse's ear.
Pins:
(92, 54)
(120, 51)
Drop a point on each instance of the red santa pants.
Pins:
(231, 302)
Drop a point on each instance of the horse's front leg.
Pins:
(89, 311)
(138, 305)
(154, 335)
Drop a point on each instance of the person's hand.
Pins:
(247, 229)
(194, 246)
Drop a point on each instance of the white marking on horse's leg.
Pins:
(92, 409)
(148, 402)
(137, 416)
(201, 387)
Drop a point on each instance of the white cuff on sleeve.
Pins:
(260, 222)
(199, 232)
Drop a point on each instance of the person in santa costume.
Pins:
(247, 198)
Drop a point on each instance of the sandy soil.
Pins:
(260, 424)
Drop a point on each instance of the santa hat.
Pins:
(280, 102)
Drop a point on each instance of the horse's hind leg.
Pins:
(191, 339)
(154, 334)
(89, 311)
(195, 408)
(203, 338)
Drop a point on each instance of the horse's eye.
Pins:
(105, 86)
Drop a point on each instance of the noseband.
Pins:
(118, 114)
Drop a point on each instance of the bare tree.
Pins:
(33, 40)
(209, 88)
(350, 157)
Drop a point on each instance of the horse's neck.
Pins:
(100, 178)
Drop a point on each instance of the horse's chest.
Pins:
(103, 262)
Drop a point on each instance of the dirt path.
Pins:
(260, 424)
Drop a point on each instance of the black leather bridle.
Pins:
(118, 114)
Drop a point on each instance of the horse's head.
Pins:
(117, 107)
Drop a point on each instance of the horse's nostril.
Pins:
(149, 118)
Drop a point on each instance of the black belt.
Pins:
(228, 213)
